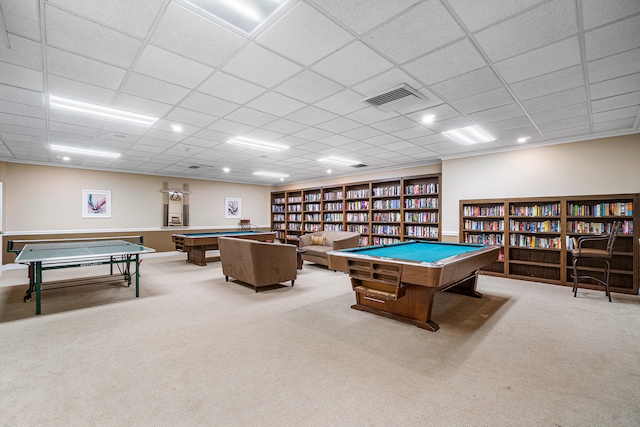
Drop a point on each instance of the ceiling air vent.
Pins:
(359, 165)
(396, 98)
(194, 167)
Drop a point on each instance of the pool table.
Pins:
(196, 245)
(399, 280)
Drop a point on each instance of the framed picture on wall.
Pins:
(96, 204)
(232, 207)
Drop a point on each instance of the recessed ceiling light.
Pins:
(257, 144)
(468, 135)
(226, 170)
(524, 139)
(79, 107)
(339, 161)
(66, 159)
(429, 118)
(176, 128)
(329, 171)
(84, 151)
(245, 15)
(271, 174)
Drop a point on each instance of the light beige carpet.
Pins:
(194, 350)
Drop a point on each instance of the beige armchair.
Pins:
(333, 240)
(257, 263)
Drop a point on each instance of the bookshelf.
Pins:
(382, 211)
(538, 235)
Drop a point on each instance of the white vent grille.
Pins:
(396, 98)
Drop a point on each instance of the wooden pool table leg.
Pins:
(415, 307)
(197, 255)
(466, 286)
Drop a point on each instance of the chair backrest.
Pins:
(245, 224)
(615, 227)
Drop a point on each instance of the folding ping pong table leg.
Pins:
(137, 275)
(38, 282)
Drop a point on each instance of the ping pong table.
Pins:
(41, 255)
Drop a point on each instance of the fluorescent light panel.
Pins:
(339, 161)
(271, 174)
(468, 135)
(84, 151)
(245, 15)
(257, 144)
(79, 107)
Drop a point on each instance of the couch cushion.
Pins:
(318, 250)
(318, 241)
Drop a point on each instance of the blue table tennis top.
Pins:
(427, 252)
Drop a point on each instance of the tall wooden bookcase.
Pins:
(537, 235)
(382, 211)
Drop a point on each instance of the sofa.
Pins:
(319, 243)
(257, 263)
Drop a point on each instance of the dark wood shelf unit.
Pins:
(540, 233)
(375, 209)
(483, 222)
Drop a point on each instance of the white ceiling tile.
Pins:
(284, 126)
(399, 145)
(394, 124)
(308, 87)
(614, 125)
(614, 66)
(117, 139)
(137, 21)
(449, 124)
(229, 127)
(621, 113)
(272, 70)
(537, 27)
(336, 141)
(478, 14)
(483, 101)
(183, 115)
(13, 119)
(230, 88)
(141, 105)
(498, 113)
(560, 113)
(363, 15)
(22, 18)
(599, 12)
(312, 134)
(563, 124)
(125, 128)
(556, 100)
(448, 62)
(22, 109)
(512, 123)
(557, 81)
(80, 68)
(274, 103)
(75, 34)
(301, 27)
(165, 136)
(510, 136)
(22, 52)
(430, 22)
(344, 102)
(613, 87)
(251, 117)
(381, 140)
(352, 64)
(208, 104)
(26, 78)
(182, 31)
(22, 133)
(339, 125)
(370, 115)
(468, 84)
(21, 96)
(614, 102)
(363, 132)
(413, 132)
(311, 116)
(55, 136)
(73, 129)
(168, 66)
(80, 91)
(148, 87)
(613, 38)
(553, 57)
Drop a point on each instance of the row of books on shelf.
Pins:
(386, 216)
(378, 241)
(475, 210)
(551, 209)
(601, 209)
(423, 202)
(277, 208)
(387, 204)
(311, 227)
(358, 228)
(294, 208)
(294, 217)
(358, 217)
(421, 217)
(333, 206)
(589, 227)
(316, 217)
(312, 207)
(333, 227)
(312, 197)
(358, 194)
(497, 225)
(529, 241)
(422, 231)
(386, 191)
(296, 199)
(334, 217)
(484, 239)
(428, 188)
(547, 226)
(358, 206)
(385, 229)
(278, 200)
(294, 226)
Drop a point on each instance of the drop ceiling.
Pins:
(549, 71)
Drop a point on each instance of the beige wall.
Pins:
(46, 199)
(601, 166)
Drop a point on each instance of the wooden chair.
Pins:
(598, 253)
(245, 224)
